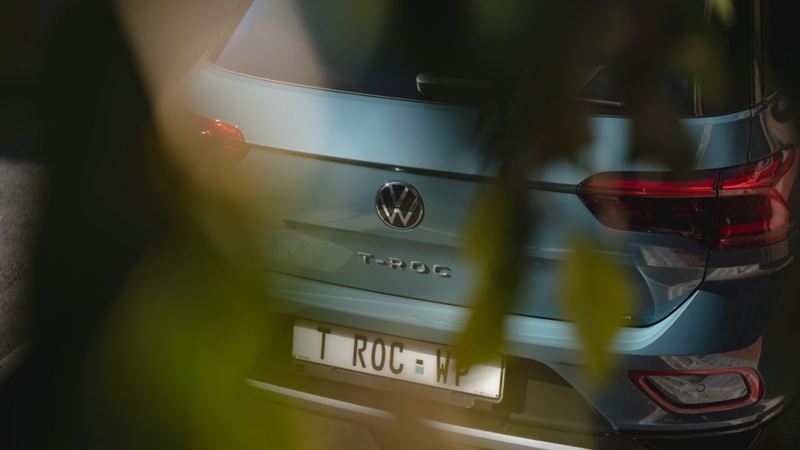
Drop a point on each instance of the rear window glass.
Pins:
(382, 47)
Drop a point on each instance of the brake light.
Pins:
(735, 207)
(219, 142)
(220, 131)
(700, 391)
(753, 201)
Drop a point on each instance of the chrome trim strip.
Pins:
(452, 433)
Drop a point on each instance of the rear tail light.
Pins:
(700, 391)
(753, 201)
(218, 141)
(735, 207)
(219, 131)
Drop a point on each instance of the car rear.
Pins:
(363, 273)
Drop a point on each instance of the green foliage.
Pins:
(492, 247)
(595, 296)
(724, 10)
(357, 34)
(173, 353)
(490, 18)
(537, 120)
(171, 349)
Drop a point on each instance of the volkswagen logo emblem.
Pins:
(399, 205)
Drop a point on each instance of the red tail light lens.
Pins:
(218, 142)
(220, 131)
(653, 202)
(735, 207)
(700, 391)
(753, 199)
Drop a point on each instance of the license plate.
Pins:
(395, 358)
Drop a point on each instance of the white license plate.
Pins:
(394, 357)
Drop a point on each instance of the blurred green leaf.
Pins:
(493, 247)
(174, 352)
(491, 18)
(596, 295)
(724, 10)
(701, 54)
(658, 137)
(359, 31)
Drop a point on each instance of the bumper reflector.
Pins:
(700, 391)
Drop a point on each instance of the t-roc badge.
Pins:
(399, 205)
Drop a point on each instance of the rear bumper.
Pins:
(454, 434)
(685, 339)
(460, 436)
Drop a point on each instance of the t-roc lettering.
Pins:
(410, 266)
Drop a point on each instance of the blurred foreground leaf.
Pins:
(596, 295)
(724, 10)
(493, 248)
(169, 363)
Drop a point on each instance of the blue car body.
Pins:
(318, 156)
